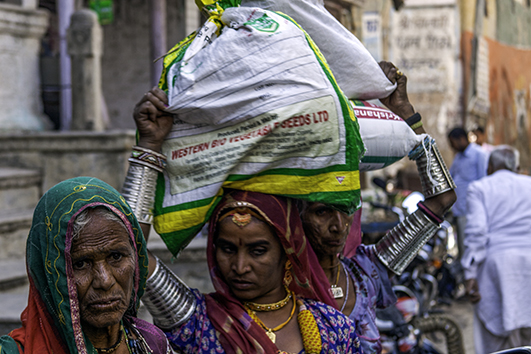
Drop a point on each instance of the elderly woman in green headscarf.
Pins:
(87, 266)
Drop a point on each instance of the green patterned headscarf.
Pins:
(53, 293)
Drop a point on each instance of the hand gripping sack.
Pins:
(257, 109)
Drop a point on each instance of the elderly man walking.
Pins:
(497, 258)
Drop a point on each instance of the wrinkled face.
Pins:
(251, 260)
(326, 228)
(103, 262)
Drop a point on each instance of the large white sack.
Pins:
(257, 108)
(355, 70)
(386, 136)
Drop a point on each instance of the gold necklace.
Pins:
(337, 291)
(270, 331)
(270, 307)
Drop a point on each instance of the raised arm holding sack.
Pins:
(359, 275)
(150, 116)
(272, 120)
(268, 295)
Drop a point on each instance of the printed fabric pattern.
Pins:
(373, 290)
(198, 335)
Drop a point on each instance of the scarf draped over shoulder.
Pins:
(237, 332)
(51, 320)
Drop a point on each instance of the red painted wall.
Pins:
(509, 91)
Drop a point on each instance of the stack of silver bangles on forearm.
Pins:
(400, 245)
(141, 181)
(167, 298)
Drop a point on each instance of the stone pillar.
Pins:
(65, 9)
(20, 32)
(85, 50)
(192, 16)
(158, 37)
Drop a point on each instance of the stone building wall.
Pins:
(21, 29)
(126, 56)
(424, 44)
(513, 22)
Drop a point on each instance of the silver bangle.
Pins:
(400, 245)
(139, 190)
(167, 298)
(434, 175)
(148, 157)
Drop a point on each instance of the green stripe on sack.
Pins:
(186, 213)
(178, 240)
(174, 55)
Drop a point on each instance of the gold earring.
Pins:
(287, 274)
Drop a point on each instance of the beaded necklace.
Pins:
(115, 346)
(311, 338)
(135, 341)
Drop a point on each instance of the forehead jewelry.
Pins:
(241, 216)
(241, 220)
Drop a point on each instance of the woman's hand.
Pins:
(152, 120)
(441, 203)
(397, 101)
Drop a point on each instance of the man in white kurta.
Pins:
(497, 258)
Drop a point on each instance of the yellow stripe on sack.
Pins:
(337, 181)
(182, 219)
